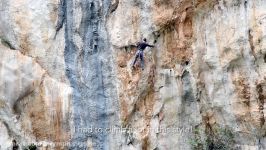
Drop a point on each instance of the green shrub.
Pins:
(217, 139)
(196, 142)
(222, 139)
(30, 147)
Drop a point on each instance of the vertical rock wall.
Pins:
(65, 73)
(203, 74)
(90, 70)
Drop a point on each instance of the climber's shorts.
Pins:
(139, 54)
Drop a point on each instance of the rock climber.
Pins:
(141, 47)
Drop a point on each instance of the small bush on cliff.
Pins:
(196, 142)
(216, 139)
(220, 139)
(30, 147)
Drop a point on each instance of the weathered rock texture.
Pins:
(66, 76)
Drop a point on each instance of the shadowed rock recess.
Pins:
(66, 81)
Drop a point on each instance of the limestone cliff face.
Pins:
(66, 76)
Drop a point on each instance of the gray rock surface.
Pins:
(66, 76)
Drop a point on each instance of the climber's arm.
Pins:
(150, 45)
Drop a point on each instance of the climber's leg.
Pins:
(136, 58)
(142, 60)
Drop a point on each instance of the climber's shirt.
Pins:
(142, 45)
